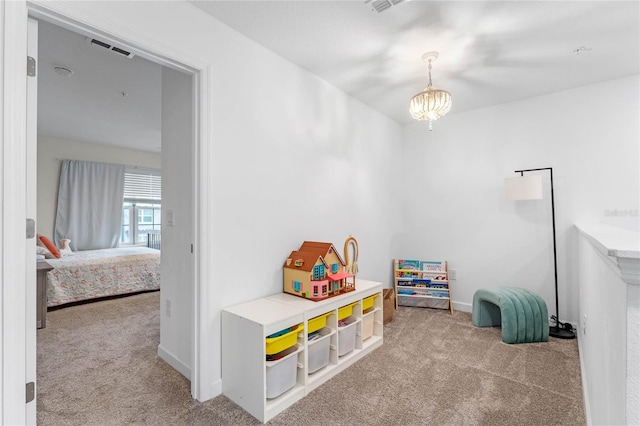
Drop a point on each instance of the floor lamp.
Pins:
(530, 188)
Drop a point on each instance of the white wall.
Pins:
(51, 152)
(603, 341)
(292, 159)
(459, 171)
(176, 287)
(313, 165)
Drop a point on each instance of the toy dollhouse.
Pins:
(316, 271)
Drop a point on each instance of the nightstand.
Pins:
(41, 296)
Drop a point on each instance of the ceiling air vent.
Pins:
(110, 47)
(382, 5)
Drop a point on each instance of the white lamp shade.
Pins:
(523, 188)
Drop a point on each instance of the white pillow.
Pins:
(44, 252)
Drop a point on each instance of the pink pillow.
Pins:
(49, 245)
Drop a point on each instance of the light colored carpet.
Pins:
(97, 365)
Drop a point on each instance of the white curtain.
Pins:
(89, 204)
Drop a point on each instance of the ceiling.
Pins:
(89, 105)
(491, 52)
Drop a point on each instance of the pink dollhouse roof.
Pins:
(340, 276)
(320, 248)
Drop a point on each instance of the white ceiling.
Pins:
(491, 52)
(88, 106)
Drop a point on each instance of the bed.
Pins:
(91, 274)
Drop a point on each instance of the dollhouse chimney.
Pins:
(288, 261)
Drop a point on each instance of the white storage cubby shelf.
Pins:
(245, 327)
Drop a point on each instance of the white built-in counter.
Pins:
(609, 336)
(619, 246)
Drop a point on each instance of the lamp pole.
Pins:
(559, 330)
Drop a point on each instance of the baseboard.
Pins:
(214, 389)
(585, 386)
(462, 307)
(173, 361)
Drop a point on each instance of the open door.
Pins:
(31, 178)
(17, 344)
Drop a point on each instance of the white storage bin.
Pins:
(422, 302)
(319, 351)
(367, 325)
(281, 374)
(347, 336)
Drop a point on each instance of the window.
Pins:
(324, 290)
(334, 268)
(138, 220)
(141, 208)
(295, 285)
(315, 290)
(318, 272)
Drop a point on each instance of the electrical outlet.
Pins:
(453, 274)
(167, 307)
(584, 324)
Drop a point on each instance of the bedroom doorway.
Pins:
(178, 147)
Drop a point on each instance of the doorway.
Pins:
(179, 197)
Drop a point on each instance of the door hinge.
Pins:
(31, 228)
(31, 66)
(31, 391)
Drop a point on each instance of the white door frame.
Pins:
(13, 157)
(205, 381)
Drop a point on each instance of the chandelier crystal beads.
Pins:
(432, 103)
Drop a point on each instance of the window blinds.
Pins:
(142, 185)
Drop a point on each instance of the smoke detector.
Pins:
(62, 71)
(112, 48)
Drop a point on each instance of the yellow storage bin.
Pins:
(367, 303)
(283, 341)
(316, 323)
(345, 311)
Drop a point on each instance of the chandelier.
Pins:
(431, 103)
